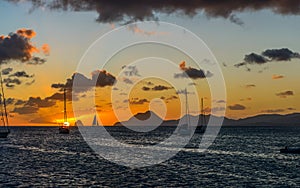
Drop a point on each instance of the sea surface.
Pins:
(239, 157)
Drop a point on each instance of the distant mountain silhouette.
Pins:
(78, 123)
(270, 119)
(263, 119)
(141, 119)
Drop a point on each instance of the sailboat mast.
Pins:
(4, 102)
(65, 106)
(202, 112)
(186, 107)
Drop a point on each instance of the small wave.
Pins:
(42, 150)
(244, 154)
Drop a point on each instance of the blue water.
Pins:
(239, 157)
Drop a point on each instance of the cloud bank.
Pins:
(140, 10)
(18, 47)
(269, 55)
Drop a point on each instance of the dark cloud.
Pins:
(146, 88)
(273, 110)
(237, 107)
(36, 61)
(20, 102)
(82, 83)
(139, 101)
(269, 55)
(39, 103)
(250, 85)
(283, 54)
(18, 47)
(6, 71)
(58, 86)
(290, 108)
(246, 99)
(183, 91)
(26, 110)
(56, 96)
(172, 97)
(189, 72)
(160, 88)
(234, 19)
(137, 10)
(9, 101)
(100, 78)
(220, 101)
(60, 97)
(21, 74)
(254, 59)
(278, 110)
(127, 81)
(11, 83)
(15, 78)
(33, 104)
(103, 78)
(285, 94)
(130, 70)
(149, 83)
(156, 88)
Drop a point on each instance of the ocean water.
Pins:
(239, 157)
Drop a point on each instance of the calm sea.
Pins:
(239, 157)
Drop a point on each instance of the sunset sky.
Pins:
(256, 45)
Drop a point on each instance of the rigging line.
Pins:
(65, 108)
(3, 99)
(187, 107)
(2, 115)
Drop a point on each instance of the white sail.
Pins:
(95, 121)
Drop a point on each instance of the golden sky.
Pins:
(256, 51)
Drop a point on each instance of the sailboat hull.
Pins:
(290, 150)
(200, 129)
(64, 130)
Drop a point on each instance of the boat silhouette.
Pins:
(290, 149)
(95, 121)
(185, 128)
(65, 127)
(202, 127)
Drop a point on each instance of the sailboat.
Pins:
(65, 127)
(202, 127)
(185, 129)
(95, 121)
(290, 149)
(4, 117)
